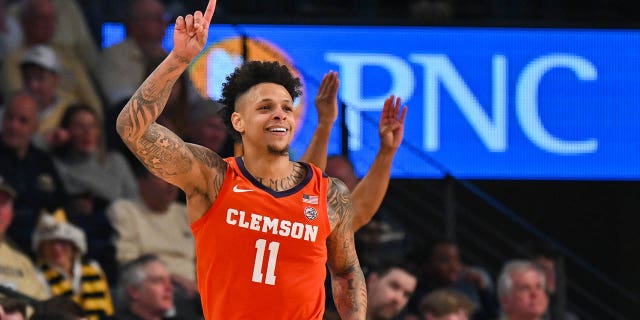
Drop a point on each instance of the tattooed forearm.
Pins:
(297, 174)
(162, 152)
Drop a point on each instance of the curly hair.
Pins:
(248, 75)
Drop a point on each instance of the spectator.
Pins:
(137, 224)
(93, 177)
(389, 289)
(547, 260)
(38, 21)
(145, 291)
(207, 128)
(445, 304)
(40, 71)
(521, 290)
(71, 31)
(444, 269)
(16, 270)
(12, 309)
(60, 247)
(27, 168)
(124, 66)
(10, 33)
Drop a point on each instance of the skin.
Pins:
(84, 132)
(6, 213)
(527, 299)
(38, 22)
(60, 253)
(199, 172)
(41, 82)
(390, 293)
(368, 193)
(154, 296)
(19, 123)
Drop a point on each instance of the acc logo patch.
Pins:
(310, 213)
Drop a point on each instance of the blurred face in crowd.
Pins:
(41, 82)
(445, 263)
(527, 298)
(6, 212)
(340, 168)
(20, 122)
(84, 132)
(149, 21)
(210, 132)
(154, 296)
(58, 252)
(39, 21)
(389, 294)
(156, 193)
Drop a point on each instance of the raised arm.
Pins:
(347, 280)
(370, 191)
(326, 102)
(192, 168)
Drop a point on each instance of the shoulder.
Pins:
(338, 202)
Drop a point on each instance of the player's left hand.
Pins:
(391, 126)
(191, 32)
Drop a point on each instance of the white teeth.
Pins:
(278, 130)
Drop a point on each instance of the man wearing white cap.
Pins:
(60, 247)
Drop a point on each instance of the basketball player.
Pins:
(264, 225)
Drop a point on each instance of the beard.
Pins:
(278, 152)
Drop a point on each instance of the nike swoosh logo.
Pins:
(238, 190)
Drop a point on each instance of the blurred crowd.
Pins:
(87, 231)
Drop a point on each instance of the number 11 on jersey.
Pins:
(271, 264)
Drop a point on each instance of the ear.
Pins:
(237, 122)
(133, 292)
(372, 279)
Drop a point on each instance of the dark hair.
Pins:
(248, 75)
(65, 122)
(12, 305)
(396, 263)
(58, 308)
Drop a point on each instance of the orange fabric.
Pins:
(286, 230)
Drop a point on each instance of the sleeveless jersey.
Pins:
(261, 254)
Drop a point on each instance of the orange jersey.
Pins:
(261, 254)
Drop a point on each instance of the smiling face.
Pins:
(264, 118)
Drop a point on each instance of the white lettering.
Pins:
(285, 228)
(527, 102)
(231, 212)
(351, 87)
(438, 69)
(310, 233)
(264, 224)
(242, 223)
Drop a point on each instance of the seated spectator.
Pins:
(445, 304)
(71, 31)
(521, 290)
(38, 21)
(27, 168)
(137, 223)
(389, 288)
(125, 65)
(40, 72)
(12, 309)
(60, 247)
(444, 269)
(206, 128)
(16, 270)
(145, 291)
(93, 177)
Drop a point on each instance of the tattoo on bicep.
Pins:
(162, 152)
(339, 202)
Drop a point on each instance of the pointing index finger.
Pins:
(211, 7)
